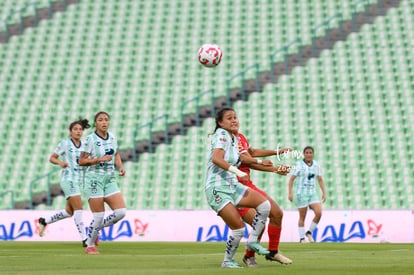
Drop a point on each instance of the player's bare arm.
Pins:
(84, 159)
(256, 152)
(218, 159)
(118, 163)
(54, 158)
(322, 186)
(290, 187)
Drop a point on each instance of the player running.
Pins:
(305, 195)
(100, 154)
(71, 179)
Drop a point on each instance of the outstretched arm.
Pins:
(255, 152)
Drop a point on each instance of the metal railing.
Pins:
(149, 125)
(242, 75)
(285, 51)
(326, 24)
(37, 179)
(197, 105)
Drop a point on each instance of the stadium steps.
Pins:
(367, 16)
(44, 12)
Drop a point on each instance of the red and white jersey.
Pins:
(243, 147)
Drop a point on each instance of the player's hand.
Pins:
(245, 178)
(290, 197)
(267, 162)
(64, 164)
(282, 170)
(323, 198)
(285, 150)
(122, 172)
(106, 158)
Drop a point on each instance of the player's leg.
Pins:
(274, 230)
(74, 205)
(117, 204)
(301, 223)
(247, 215)
(253, 199)
(231, 217)
(317, 209)
(69, 189)
(115, 200)
(95, 194)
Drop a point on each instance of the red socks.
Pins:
(274, 236)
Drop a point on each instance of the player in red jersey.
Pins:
(276, 214)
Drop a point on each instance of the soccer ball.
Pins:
(210, 55)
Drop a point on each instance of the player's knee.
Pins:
(264, 208)
(276, 215)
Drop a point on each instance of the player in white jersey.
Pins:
(223, 191)
(306, 172)
(66, 155)
(100, 154)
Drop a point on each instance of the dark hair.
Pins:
(219, 116)
(101, 113)
(308, 147)
(83, 122)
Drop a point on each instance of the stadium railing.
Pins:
(48, 192)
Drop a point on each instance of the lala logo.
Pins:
(373, 228)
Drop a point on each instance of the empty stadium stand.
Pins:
(136, 60)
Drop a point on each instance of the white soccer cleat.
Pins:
(309, 236)
(278, 258)
(42, 226)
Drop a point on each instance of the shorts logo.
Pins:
(94, 190)
(218, 199)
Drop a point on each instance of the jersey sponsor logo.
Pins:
(311, 176)
(98, 143)
(109, 151)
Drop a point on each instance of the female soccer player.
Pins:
(224, 192)
(274, 227)
(305, 195)
(71, 178)
(100, 154)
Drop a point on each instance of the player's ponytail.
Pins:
(83, 122)
(219, 117)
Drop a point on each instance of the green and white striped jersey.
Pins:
(306, 176)
(70, 154)
(215, 175)
(97, 147)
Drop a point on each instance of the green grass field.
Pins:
(201, 258)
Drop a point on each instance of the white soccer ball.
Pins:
(210, 55)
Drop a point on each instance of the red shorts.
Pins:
(243, 211)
